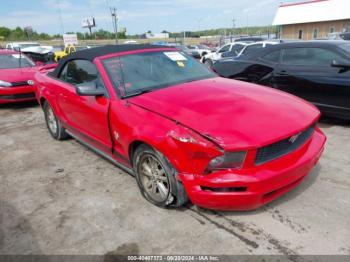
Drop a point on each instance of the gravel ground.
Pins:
(61, 198)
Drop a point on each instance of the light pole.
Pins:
(199, 24)
(233, 25)
(115, 22)
(60, 16)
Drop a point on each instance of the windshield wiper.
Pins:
(137, 93)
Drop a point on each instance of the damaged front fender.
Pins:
(193, 147)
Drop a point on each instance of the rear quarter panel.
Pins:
(46, 90)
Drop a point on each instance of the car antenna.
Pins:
(20, 57)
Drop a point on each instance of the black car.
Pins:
(318, 71)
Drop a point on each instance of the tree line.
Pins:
(27, 34)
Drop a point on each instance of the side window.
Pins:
(77, 72)
(251, 48)
(224, 49)
(236, 49)
(273, 57)
(310, 56)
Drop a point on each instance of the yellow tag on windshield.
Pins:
(181, 64)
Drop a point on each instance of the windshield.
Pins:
(137, 73)
(346, 47)
(15, 61)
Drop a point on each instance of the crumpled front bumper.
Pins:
(253, 187)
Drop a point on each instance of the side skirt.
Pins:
(104, 155)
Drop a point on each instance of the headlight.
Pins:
(230, 160)
(5, 84)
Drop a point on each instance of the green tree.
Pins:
(5, 32)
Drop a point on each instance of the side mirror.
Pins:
(89, 90)
(340, 65)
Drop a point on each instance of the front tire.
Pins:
(53, 124)
(156, 178)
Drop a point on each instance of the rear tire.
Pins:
(156, 178)
(53, 124)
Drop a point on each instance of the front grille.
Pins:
(18, 96)
(20, 83)
(282, 147)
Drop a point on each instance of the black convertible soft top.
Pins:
(91, 53)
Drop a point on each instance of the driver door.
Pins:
(307, 72)
(87, 116)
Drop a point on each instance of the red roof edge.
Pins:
(303, 3)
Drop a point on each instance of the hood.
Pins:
(234, 114)
(18, 74)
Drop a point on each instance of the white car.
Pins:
(229, 50)
(29, 47)
(131, 42)
(201, 49)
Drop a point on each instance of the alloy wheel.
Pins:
(153, 178)
(51, 120)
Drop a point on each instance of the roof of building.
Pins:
(91, 53)
(312, 11)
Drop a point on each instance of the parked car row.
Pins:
(236, 49)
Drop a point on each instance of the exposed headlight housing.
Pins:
(5, 84)
(229, 160)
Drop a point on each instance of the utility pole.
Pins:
(233, 25)
(60, 16)
(184, 38)
(115, 22)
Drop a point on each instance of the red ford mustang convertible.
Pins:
(16, 77)
(184, 133)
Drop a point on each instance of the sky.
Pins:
(138, 16)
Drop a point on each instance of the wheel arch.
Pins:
(158, 146)
(132, 148)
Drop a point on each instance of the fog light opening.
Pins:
(224, 189)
